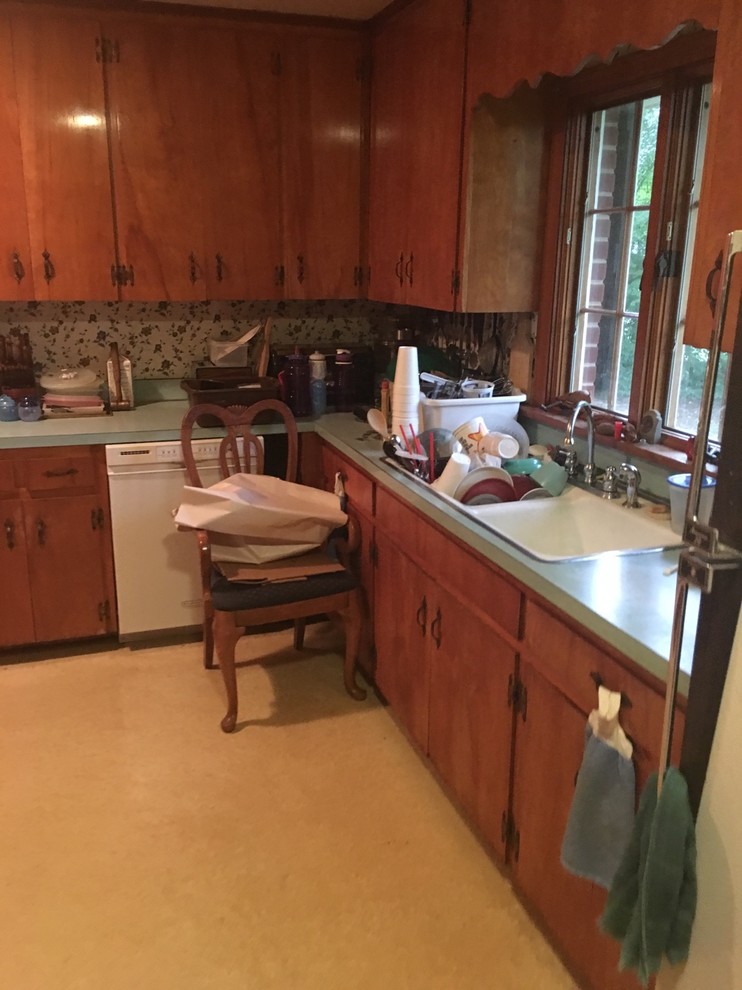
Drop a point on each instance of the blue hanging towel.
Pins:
(652, 903)
(602, 813)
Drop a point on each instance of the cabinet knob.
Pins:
(219, 267)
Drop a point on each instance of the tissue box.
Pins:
(227, 354)
(450, 413)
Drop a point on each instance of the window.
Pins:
(631, 172)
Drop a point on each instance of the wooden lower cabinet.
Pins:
(402, 619)
(470, 728)
(548, 753)
(56, 576)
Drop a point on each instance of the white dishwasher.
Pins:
(158, 584)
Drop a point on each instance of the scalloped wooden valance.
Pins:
(515, 41)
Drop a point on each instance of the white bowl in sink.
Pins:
(575, 525)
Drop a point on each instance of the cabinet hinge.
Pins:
(122, 275)
(104, 610)
(517, 696)
(276, 63)
(107, 51)
(467, 11)
(509, 834)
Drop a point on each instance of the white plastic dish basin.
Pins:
(576, 525)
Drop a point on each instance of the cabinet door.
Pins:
(321, 163)
(549, 745)
(234, 96)
(16, 616)
(67, 540)
(16, 277)
(434, 93)
(65, 154)
(401, 629)
(391, 179)
(156, 148)
(471, 722)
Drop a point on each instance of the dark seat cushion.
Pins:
(232, 596)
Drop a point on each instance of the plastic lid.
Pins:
(683, 481)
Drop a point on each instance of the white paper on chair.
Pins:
(263, 510)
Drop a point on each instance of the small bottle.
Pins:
(318, 395)
(344, 385)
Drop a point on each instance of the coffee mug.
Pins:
(551, 476)
(472, 389)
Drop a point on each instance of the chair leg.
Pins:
(299, 627)
(226, 635)
(354, 623)
(208, 637)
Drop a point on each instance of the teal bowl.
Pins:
(524, 465)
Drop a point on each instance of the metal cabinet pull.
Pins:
(114, 275)
(10, 533)
(192, 268)
(710, 283)
(219, 267)
(422, 615)
(435, 629)
(300, 273)
(96, 518)
(279, 275)
(49, 269)
(398, 269)
(408, 268)
(19, 271)
(61, 473)
(41, 532)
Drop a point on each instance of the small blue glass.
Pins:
(8, 409)
(318, 395)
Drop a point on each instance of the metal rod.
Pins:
(732, 248)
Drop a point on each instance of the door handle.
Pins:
(19, 271)
(408, 268)
(435, 629)
(422, 615)
(49, 269)
(398, 269)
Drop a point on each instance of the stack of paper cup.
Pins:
(406, 393)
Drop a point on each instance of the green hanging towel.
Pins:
(652, 901)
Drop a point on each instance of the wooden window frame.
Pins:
(669, 72)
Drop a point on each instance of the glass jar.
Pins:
(8, 409)
(29, 408)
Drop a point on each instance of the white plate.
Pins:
(71, 380)
(481, 474)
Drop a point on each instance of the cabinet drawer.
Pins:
(45, 474)
(567, 660)
(469, 577)
(358, 487)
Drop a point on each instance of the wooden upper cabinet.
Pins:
(720, 207)
(234, 95)
(156, 147)
(417, 100)
(16, 277)
(321, 123)
(65, 154)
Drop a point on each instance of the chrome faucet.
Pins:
(630, 474)
(588, 472)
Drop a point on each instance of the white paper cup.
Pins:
(499, 445)
(453, 474)
(472, 389)
(406, 371)
(470, 433)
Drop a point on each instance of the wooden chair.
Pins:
(231, 607)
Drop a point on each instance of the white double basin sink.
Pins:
(575, 525)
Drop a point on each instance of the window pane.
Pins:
(692, 375)
(605, 236)
(650, 118)
(625, 364)
(638, 249)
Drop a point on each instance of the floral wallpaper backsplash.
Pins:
(169, 340)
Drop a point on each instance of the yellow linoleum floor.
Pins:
(142, 849)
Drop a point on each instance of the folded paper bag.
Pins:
(263, 509)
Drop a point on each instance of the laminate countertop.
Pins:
(626, 600)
